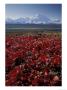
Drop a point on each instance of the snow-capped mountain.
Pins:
(36, 19)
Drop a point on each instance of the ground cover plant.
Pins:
(33, 60)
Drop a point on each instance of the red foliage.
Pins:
(33, 60)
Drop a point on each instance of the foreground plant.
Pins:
(33, 60)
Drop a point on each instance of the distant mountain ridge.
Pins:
(36, 19)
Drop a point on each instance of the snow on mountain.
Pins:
(36, 19)
(58, 21)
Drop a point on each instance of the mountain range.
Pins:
(36, 19)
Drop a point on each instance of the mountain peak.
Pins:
(36, 19)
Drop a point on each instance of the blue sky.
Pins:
(28, 10)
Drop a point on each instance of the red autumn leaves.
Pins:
(33, 60)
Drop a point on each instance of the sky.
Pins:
(15, 11)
